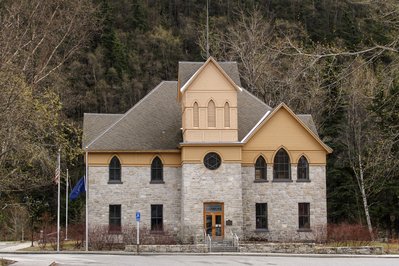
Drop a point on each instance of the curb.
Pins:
(388, 256)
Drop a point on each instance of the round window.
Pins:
(212, 161)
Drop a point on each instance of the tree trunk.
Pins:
(364, 198)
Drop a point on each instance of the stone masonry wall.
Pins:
(201, 185)
(282, 200)
(135, 193)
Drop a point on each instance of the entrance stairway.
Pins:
(225, 245)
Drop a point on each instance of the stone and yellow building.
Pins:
(203, 155)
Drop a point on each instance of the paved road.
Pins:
(187, 260)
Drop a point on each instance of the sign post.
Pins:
(138, 230)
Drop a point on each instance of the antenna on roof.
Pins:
(207, 29)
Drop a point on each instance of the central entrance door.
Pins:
(213, 219)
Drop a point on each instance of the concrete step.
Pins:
(224, 249)
(222, 242)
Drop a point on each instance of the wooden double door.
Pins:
(213, 219)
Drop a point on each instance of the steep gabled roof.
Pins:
(152, 124)
(268, 115)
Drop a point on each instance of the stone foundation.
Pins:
(285, 248)
(199, 248)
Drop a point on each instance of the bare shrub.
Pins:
(76, 232)
(345, 232)
(148, 237)
(100, 238)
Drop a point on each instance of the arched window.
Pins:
(260, 169)
(282, 165)
(156, 170)
(211, 114)
(195, 115)
(303, 169)
(115, 169)
(226, 115)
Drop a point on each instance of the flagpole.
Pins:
(58, 201)
(66, 207)
(87, 200)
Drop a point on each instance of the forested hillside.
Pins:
(337, 60)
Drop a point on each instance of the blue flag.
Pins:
(79, 188)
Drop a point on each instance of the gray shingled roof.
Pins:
(308, 120)
(94, 124)
(250, 111)
(154, 122)
(187, 69)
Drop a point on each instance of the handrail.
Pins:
(236, 238)
(209, 243)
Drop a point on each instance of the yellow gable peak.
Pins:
(269, 115)
(210, 60)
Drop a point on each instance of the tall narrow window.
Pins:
(303, 169)
(114, 169)
(226, 115)
(304, 215)
(211, 114)
(282, 165)
(195, 115)
(261, 215)
(260, 169)
(156, 217)
(115, 219)
(156, 170)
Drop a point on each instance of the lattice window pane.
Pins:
(157, 217)
(260, 169)
(282, 165)
(261, 215)
(303, 168)
(115, 214)
(212, 161)
(114, 169)
(156, 169)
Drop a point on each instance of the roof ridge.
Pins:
(128, 112)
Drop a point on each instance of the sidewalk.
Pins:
(13, 246)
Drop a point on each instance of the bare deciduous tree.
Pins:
(40, 36)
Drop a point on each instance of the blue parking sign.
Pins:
(137, 216)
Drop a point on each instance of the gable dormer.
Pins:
(209, 105)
